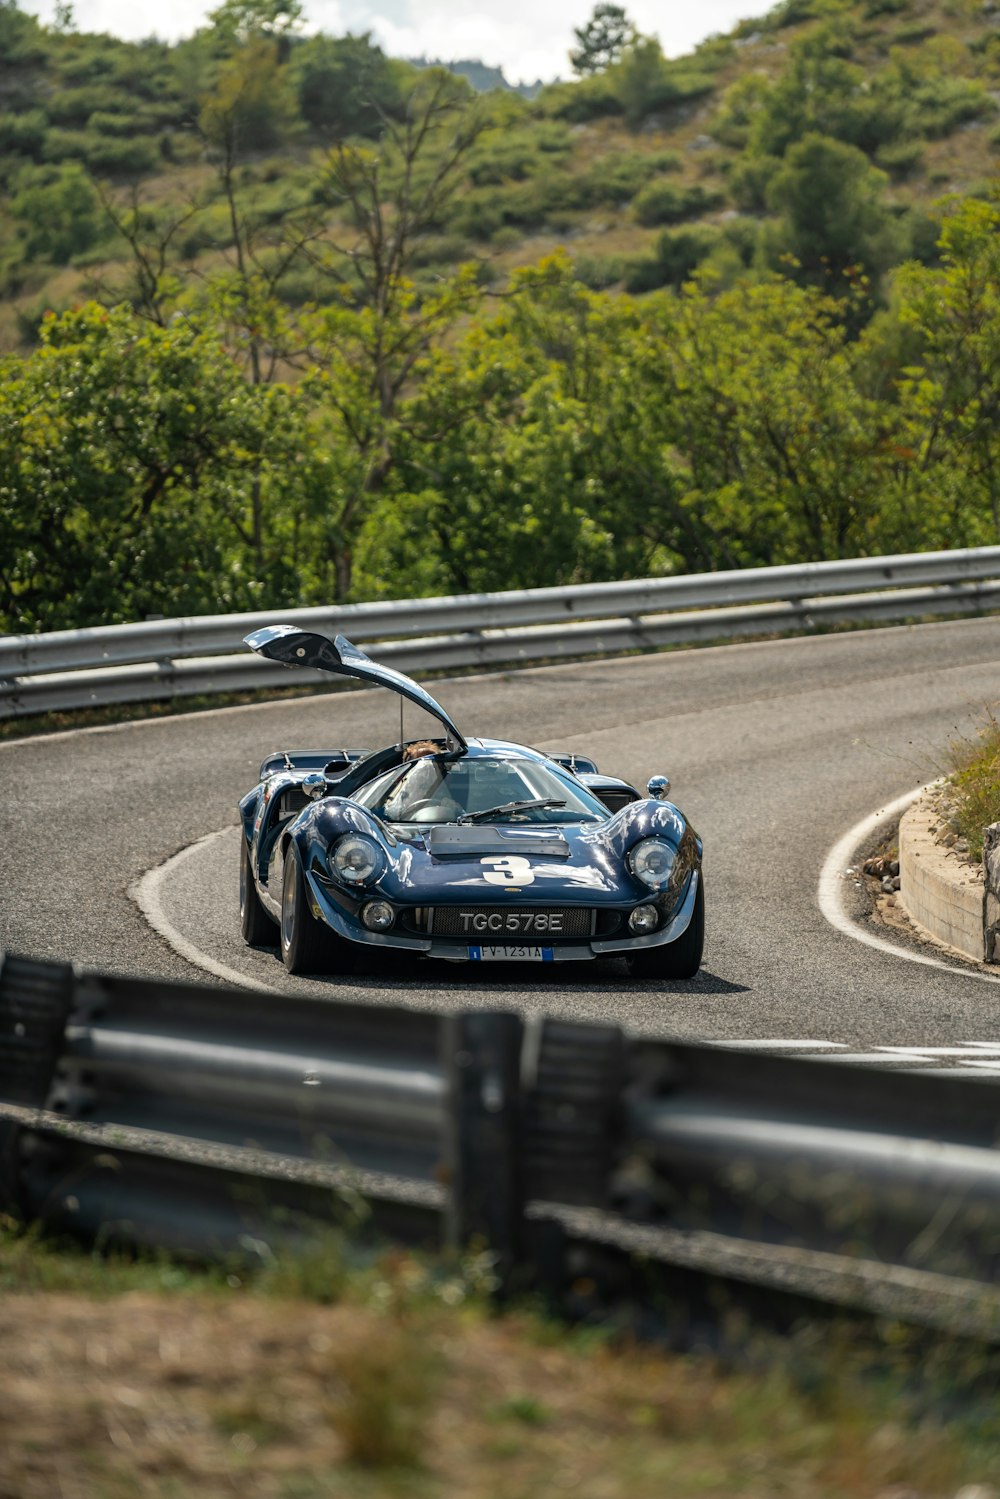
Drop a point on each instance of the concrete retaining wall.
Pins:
(939, 889)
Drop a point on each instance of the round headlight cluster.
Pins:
(644, 919)
(652, 862)
(357, 859)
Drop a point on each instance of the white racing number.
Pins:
(510, 870)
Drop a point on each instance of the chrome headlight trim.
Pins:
(652, 862)
(356, 859)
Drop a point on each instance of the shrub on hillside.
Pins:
(442, 249)
(900, 158)
(588, 99)
(940, 109)
(618, 176)
(677, 255)
(662, 202)
(647, 84)
(74, 106)
(23, 134)
(741, 102)
(58, 212)
(65, 145)
(601, 271)
(122, 158)
(748, 181)
(929, 90)
(519, 154)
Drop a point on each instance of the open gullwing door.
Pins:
(294, 647)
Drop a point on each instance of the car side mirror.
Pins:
(658, 786)
(314, 785)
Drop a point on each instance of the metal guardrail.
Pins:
(215, 1121)
(181, 657)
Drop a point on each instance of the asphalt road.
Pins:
(774, 750)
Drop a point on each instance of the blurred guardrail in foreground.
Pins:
(181, 657)
(659, 1175)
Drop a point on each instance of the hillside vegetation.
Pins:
(288, 321)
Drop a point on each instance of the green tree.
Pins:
(369, 343)
(243, 20)
(833, 214)
(602, 40)
(251, 106)
(531, 452)
(949, 435)
(22, 41)
(641, 80)
(345, 85)
(128, 456)
(779, 450)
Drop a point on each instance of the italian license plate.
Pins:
(510, 955)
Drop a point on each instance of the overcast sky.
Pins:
(529, 39)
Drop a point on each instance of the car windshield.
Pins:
(435, 790)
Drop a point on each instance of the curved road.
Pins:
(775, 750)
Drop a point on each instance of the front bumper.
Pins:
(451, 951)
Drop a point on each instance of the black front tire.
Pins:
(256, 924)
(307, 945)
(675, 960)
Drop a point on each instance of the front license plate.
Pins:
(510, 954)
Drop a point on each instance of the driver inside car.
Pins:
(421, 794)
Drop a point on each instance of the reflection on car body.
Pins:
(467, 849)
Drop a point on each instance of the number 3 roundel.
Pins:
(510, 870)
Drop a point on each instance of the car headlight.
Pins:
(357, 859)
(652, 862)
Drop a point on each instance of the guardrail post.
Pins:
(482, 1063)
(35, 1002)
(574, 1075)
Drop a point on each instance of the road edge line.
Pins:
(831, 884)
(146, 894)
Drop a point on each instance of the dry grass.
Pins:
(973, 798)
(210, 1391)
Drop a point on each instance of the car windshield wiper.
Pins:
(541, 801)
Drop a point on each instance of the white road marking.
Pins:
(831, 882)
(942, 1051)
(777, 1045)
(951, 1071)
(856, 1058)
(146, 893)
(984, 1056)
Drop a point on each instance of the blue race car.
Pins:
(465, 849)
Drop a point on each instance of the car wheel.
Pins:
(307, 945)
(675, 960)
(257, 926)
